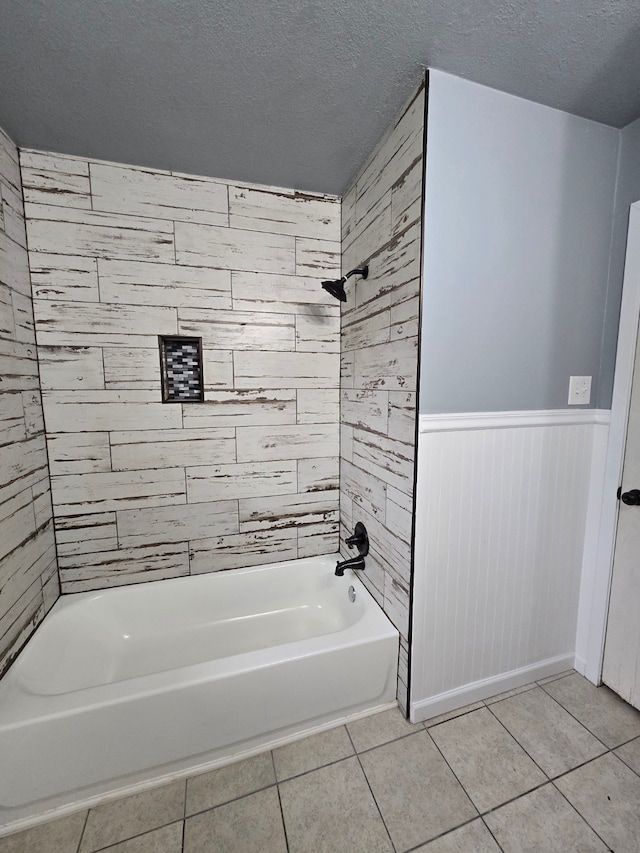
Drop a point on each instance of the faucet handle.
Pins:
(359, 538)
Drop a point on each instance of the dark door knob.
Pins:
(631, 498)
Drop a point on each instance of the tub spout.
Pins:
(351, 563)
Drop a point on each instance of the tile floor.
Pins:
(553, 766)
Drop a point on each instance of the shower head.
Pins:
(336, 288)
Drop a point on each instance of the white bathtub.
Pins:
(147, 682)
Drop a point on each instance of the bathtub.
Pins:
(121, 688)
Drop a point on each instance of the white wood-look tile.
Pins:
(79, 452)
(97, 411)
(139, 192)
(33, 417)
(23, 318)
(217, 366)
(386, 458)
(101, 570)
(402, 416)
(394, 265)
(281, 294)
(14, 265)
(281, 212)
(288, 511)
(238, 550)
(365, 490)
(318, 405)
(98, 235)
(86, 534)
(317, 544)
(317, 333)
(165, 448)
(64, 278)
(238, 330)
(317, 258)
(75, 494)
(71, 367)
(83, 324)
(318, 475)
(147, 283)
(368, 324)
(289, 370)
(13, 214)
(234, 249)
(365, 408)
(231, 481)
(52, 180)
(12, 423)
(176, 523)
(131, 368)
(298, 441)
(391, 366)
(242, 408)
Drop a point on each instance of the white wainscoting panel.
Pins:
(502, 507)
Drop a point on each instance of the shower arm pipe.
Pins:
(363, 271)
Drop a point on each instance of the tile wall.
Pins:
(28, 576)
(381, 226)
(144, 490)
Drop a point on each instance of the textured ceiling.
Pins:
(290, 92)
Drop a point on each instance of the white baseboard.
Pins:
(488, 687)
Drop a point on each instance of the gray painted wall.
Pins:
(627, 191)
(519, 202)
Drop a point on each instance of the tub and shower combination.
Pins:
(122, 688)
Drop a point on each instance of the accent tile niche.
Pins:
(144, 490)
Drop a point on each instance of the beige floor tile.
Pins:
(607, 794)
(474, 837)
(542, 821)
(598, 708)
(417, 793)
(228, 783)
(380, 728)
(508, 694)
(168, 839)
(58, 836)
(116, 821)
(251, 824)
(491, 766)
(332, 809)
(558, 675)
(451, 715)
(630, 754)
(555, 740)
(312, 752)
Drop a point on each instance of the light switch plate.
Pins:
(579, 390)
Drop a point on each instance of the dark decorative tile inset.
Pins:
(181, 370)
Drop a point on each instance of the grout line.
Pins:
(489, 830)
(84, 827)
(421, 845)
(517, 742)
(275, 776)
(455, 775)
(513, 799)
(584, 725)
(137, 835)
(384, 823)
(233, 799)
(581, 816)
